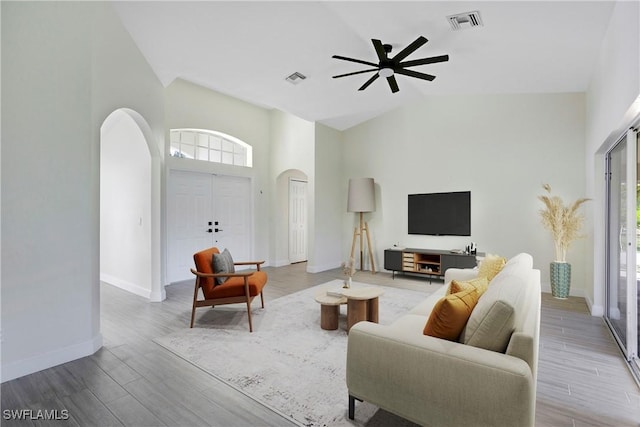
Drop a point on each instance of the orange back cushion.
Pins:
(203, 261)
(450, 314)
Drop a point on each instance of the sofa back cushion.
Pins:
(494, 317)
(522, 261)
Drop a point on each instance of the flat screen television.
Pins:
(440, 214)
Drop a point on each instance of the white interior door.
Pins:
(297, 220)
(205, 210)
(189, 209)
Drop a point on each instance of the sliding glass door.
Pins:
(622, 244)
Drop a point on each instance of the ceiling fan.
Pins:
(388, 67)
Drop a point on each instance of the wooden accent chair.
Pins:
(240, 287)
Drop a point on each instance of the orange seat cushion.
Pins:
(234, 287)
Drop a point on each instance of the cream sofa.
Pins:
(486, 379)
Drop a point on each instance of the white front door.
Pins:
(297, 220)
(205, 210)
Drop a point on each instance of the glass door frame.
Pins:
(629, 345)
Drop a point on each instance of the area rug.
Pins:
(288, 363)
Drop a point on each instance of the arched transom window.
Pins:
(210, 146)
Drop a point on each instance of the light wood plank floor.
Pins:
(131, 381)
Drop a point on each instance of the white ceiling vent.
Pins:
(465, 20)
(296, 78)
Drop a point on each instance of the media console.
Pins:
(426, 261)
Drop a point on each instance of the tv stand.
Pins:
(431, 262)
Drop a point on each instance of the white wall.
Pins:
(612, 103)
(48, 282)
(122, 79)
(328, 206)
(66, 67)
(0, 192)
(192, 106)
(125, 205)
(283, 146)
(500, 147)
(292, 148)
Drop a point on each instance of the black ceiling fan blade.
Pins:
(393, 84)
(410, 49)
(368, 82)
(355, 72)
(424, 61)
(358, 61)
(377, 44)
(415, 74)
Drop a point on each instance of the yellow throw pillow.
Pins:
(450, 314)
(479, 283)
(490, 266)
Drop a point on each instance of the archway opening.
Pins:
(129, 205)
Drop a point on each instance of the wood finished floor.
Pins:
(131, 381)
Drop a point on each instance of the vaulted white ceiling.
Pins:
(246, 49)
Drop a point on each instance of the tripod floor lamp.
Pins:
(362, 198)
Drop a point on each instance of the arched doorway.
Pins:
(130, 205)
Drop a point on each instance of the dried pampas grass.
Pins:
(349, 268)
(564, 222)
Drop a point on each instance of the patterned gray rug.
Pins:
(288, 363)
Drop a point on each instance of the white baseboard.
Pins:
(57, 357)
(546, 288)
(281, 263)
(595, 310)
(127, 286)
(321, 268)
(158, 296)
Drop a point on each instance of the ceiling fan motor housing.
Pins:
(386, 72)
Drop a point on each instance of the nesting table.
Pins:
(329, 310)
(362, 304)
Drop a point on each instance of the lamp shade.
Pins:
(362, 195)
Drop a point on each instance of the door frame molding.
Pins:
(180, 166)
(306, 216)
(630, 348)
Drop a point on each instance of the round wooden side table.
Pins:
(329, 310)
(362, 304)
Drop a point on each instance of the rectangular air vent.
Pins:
(465, 20)
(296, 78)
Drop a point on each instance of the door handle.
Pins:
(219, 229)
